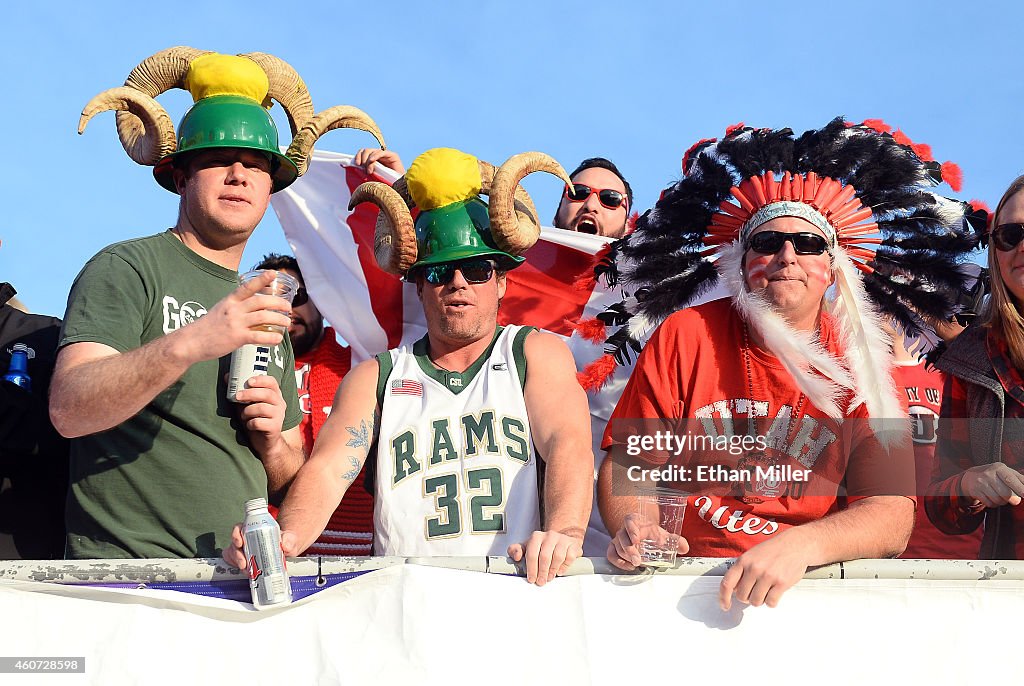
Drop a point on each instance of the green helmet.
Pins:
(458, 231)
(228, 121)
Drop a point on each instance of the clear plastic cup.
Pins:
(284, 286)
(659, 516)
(253, 360)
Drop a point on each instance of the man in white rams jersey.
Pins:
(467, 419)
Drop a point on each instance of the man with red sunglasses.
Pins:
(598, 201)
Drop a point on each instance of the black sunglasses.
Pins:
(474, 271)
(301, 297)
(804, 243)
(579, 192)
(1007, 236)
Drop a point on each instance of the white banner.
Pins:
(420, 625)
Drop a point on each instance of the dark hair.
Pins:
(602, 163)
(276, 261)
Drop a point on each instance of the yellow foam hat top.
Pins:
(441, 176)
(216, 74)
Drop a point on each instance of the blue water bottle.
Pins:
(17, 372)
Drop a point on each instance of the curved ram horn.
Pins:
(487, 172)
(154, 75)
(154, 136)
(163, 71)
(287, 87)
(514, 223)
(394, 241)
(401, 186)
(339, 116)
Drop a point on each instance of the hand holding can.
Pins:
(253, 359)
(268, 573)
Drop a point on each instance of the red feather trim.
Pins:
(980, 205)
(587, 281)
(922, 150)
(686, 156)
(732, 129)
(901, 138)
(877, 124)
(631, 223)
(590, 329)
(596, 374)
(584, 282)
(953, 175)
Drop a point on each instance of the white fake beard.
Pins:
(867, 346)
(799, 351)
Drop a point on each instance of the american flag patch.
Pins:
(406, 387)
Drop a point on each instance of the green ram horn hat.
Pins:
(232, 96)
(454, 223)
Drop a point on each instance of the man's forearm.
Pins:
(875, 527)
(98, 394)
(338, 456)
(316, 492)
(569, 488)
(616, 493)
(281, 464)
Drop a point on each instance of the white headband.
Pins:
(788, 208)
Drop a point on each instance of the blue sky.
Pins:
(637, 83)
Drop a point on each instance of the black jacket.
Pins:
(33, 456)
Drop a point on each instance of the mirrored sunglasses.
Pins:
(804, 242)
(1008, 236)
(608, 197)
(473, 271)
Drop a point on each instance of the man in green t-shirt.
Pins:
(161, 462)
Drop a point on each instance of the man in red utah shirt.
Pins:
(794, 362)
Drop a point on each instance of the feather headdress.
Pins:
(895, 244)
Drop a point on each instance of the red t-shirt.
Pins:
(317, 376)
(697, 366)
(921, 392)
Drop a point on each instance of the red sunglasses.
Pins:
(610, 198)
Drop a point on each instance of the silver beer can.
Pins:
(268, 574)
(248, 361)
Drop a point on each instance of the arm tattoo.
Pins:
(352, 473)
(361, 437)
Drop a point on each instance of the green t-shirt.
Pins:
(172, 480)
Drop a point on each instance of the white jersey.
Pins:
(456, 465)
